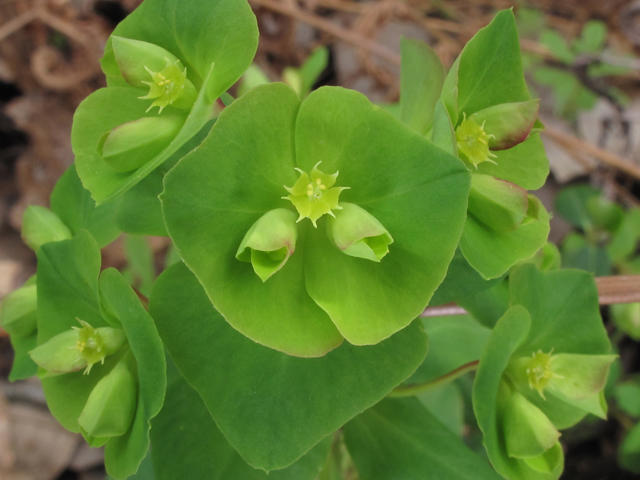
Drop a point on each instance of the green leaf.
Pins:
(40, 226)
(400, 439)
(75, 207)
(140, 263)
(219, 32)
(421, 82)
(492, 253)
(628, 397)
(312, 68)
(442, 133)
(188, 444)
(23, 367)
(627, 318)
(571, 204)
(462, 281)
(145, 472)
(629, 453)
(124, 453)
(577, 253)
(490, 71)
(557, 45)
(526, 164)
(295, 310)
(453, 342)
(625, 239)
(488, 305)
(271, 407)
(446, 403)
(139, 211)
(593, 37)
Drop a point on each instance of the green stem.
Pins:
(415, 389)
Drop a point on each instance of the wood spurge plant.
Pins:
(312, 229)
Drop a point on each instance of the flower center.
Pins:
(473, 142)
(314, 195)
(165, 86)
(539, 371)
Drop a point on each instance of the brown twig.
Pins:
(331, 28)
(605, 156)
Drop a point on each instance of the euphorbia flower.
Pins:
(543, 370)
(379, 209)
(118, 137)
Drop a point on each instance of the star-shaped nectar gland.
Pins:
(314, 195)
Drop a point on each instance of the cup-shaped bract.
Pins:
(543, 370)
(528, 432)
(128, 146)
(115, 328)
(358, 233)
(507, 124)
(417, 192)
(269, 242)
(182, 70)
(500, 205)
(111, 406)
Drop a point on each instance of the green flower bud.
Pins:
(78, 348)
(500, 205)
(507, 124)
(528, 432)
(145, 64)
(111, 406)
(133, 144)
(18, 312)
(40, 225)
(358, 233)
(473, 142)
(314, 195)
(270, 242)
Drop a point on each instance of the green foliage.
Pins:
(308, 231)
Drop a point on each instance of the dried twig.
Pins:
(611, 159)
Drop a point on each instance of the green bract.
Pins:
(543, 370)
(117, 337)
(170, 54)
(410, 192)
(489, 108)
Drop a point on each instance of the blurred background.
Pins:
(580, 58)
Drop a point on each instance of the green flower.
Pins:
(381, 233)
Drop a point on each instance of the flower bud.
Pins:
(78, 348)
(40, 225)
(358, 233)
(133, 144)
(500, 205)
(145, 64)
(111, 406)
(18, 312)
(507, 124)
(527, 430)
(270, 242)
